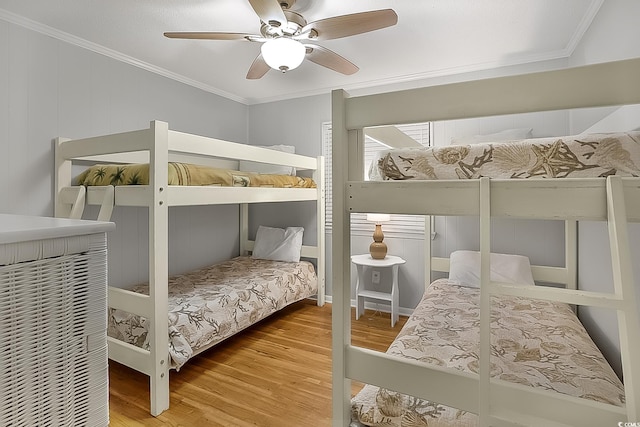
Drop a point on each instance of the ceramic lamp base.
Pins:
(378, 250)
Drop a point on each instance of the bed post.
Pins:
(485, 303)
(623, 283)
(427, 249)
(571, 253)
(341, 273)
(244, 229)
(158, 266)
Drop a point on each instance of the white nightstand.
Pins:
(365, 260)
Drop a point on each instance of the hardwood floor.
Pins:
(277, 373)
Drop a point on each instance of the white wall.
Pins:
(613, 34)
(50, 88)
(296, 122)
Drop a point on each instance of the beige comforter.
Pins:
(536, 343)
(187, 174)
(211, 304)
(593, 155)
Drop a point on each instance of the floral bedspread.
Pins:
(208, 305)
(534, 342)
(591, 155)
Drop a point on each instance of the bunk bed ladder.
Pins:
(71, 201)
(108, 201)
(623, 281)
(245, 246)
(628, 320)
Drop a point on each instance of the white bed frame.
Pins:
(613, 199)
(158, 145)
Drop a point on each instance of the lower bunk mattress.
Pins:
(536, 343)
(213, 303)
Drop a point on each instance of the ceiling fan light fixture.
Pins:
(283, 53)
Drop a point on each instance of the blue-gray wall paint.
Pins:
(50, 88)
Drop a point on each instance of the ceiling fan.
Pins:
(287, 39)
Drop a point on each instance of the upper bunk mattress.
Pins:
(187, 174)
(211, 304)
(579, 156)
(536, 343)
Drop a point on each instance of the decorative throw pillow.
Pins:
(465, 269)
(278, 244)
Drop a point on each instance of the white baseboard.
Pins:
(383, 307)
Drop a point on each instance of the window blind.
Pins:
(404, 226)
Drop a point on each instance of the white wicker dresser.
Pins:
(53, 302)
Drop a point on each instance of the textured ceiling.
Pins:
(432, 38)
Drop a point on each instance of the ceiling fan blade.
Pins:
(258, 69)
(204, 35)
(327, 58)
(392, 137)
(350, 25)
(269, 12)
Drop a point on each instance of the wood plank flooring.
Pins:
(274, 374)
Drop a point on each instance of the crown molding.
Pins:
(118, 56)
(581, 29)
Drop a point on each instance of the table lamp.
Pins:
(378, 249)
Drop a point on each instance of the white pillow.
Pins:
(278, 244)
(465, 269)
(505, 135)
(266, 168)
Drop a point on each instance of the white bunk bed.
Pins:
(157, 146)
(614, 199)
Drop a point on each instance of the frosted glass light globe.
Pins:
(283, 53)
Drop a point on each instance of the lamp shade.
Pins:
(283, 53)
(376, 217)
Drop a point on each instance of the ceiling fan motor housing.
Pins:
(293, 27)
(287, 4)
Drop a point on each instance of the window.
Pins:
(405, 226)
